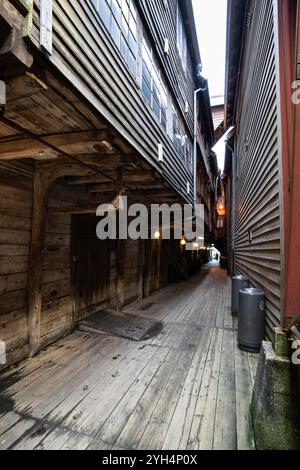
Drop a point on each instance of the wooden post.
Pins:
(141, 268)
(120, 274)
(158, 261)
(148, 265)
(41, 185)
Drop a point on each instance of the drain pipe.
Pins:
(196, 92)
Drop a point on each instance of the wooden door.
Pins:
(91, 267)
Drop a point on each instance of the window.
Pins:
(120, 18)
(153, 86)
(181, 38)
(181, 141)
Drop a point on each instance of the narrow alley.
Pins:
(187, 387)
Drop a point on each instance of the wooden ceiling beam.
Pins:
(72, 138)
(74, 209)
(22, 148)
(94, 179)
(108, 160)
(31, 147)
(130, 178)
(14, 49)
(101, 188)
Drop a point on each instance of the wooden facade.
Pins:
(77, 128)
(259, 105)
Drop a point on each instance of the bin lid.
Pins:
(252, 291)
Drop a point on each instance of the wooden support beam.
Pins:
(116, 193)
(30, 147)
(41, 186)
(95, 179)
(108, 160)
(83, 209)
(14, 47)
(101, 188)
(120, 297)
(141, 266)
(158, 247)
(71, 138)
(139, 175)
(131, 178)
(22, 148)
(148, 264)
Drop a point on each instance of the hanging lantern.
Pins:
(221, 206)
(183, 242)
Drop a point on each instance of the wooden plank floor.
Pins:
(187, 387)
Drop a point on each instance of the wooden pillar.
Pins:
(40, 189)
(158, 262)
(121, 274)
(141, 268)
(148, 265)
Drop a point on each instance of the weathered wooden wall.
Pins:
(15, 231)
(258, 222)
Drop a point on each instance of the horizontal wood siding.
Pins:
(85, 54)
(258, 187)
(15, 229)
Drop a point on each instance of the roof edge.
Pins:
(236, 12)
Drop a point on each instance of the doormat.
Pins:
(124, 326)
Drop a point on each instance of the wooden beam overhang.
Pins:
(14, 55)
(131, 177)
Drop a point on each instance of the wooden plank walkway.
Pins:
(187, 387)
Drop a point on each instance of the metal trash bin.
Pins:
(251, 320)
(238, 283)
